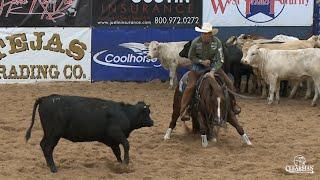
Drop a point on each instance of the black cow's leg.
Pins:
(47, 146)
(126, 147)
(237, 79)
(117, 152)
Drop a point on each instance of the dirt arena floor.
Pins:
(278, 134)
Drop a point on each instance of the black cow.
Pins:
(81, 119)
(232, 62)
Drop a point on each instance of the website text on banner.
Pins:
(45, 54)
(258, 12)
(35, 13)
(120, 54)
(186, 13)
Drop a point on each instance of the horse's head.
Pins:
(212, 104)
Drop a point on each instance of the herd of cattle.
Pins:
(255, 62)
(267, 61)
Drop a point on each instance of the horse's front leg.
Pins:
(175, 113)
(203, 130)
(234, 122)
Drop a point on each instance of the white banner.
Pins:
(258, 12)
(45, 54)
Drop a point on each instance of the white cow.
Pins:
(279, 65)
(284, 38)
(312, 42)
(168, 55)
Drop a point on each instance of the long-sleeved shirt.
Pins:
(213, 51)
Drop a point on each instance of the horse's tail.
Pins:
(239, 95)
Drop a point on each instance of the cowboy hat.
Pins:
(206, 28)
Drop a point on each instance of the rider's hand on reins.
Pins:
(206, 62)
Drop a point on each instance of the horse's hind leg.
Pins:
(234, 122)
(175, 113)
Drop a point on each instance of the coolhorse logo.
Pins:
(137, 55)
(299, 166)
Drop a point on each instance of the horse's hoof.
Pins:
(204, 141)
(166, 137)
(246, 139)
(53, 169)
(168, 134)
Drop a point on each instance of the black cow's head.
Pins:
(185, 51)
(143, 115)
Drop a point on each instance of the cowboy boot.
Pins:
(236, 108)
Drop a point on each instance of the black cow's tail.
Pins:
(28, 133)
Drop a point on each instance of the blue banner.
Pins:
(120, 54)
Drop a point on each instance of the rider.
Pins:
(206, 55)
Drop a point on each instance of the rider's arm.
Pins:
(219, 56)
(193, 53)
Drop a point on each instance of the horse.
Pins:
(210, 109)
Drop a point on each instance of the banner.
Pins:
(186, 13)
(120, 54)
(35, 13)
(258, 12)
(44, 54)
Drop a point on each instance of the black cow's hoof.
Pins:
(54, 170)
(125, 164)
